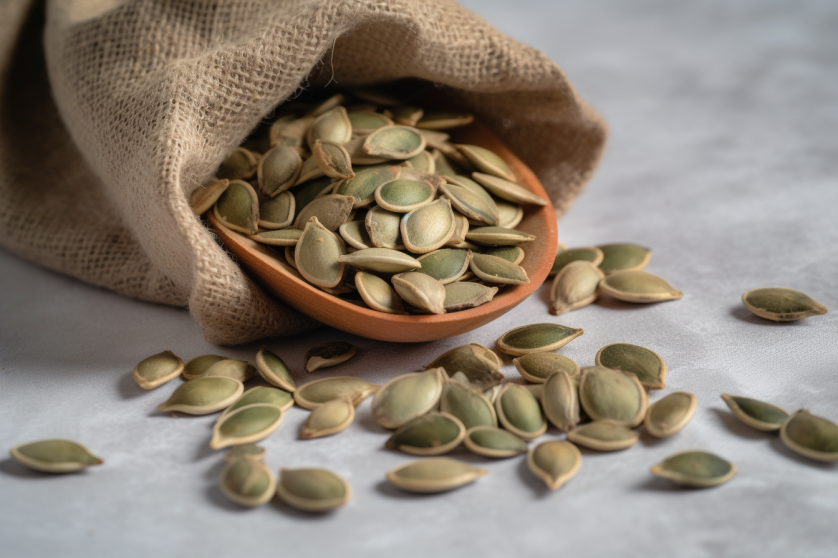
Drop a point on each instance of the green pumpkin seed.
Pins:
(378, 294)
(157, 369)
(382, 260)
(317, 392)
(310, 171)
(290, 255)
(247, 451)
(468, 405)
(312, 490)
(437, 474)
(536, 338)
(355, 234)
(317, 255)
(425, 229)
(238, 207)
(510, 214)
(366, 121)
(519, 412)
(277, 212)
(781, 305)
(564, 257)
(480, 365)
(230, 368)
(623, 257)
(461, 296)
(54, 456)
(423, 162)
(611, 394)
(404, 195)
(430, 434)
(445, 265)
(203, 396)
(490, 441)
(512, 254)
(355, 148)
(507, 190)
(670, 414)
(406, 397)
(203, 198)
(278, 170)
(384, 228)
(246, 425)
(332, 211)
(537, 367)
(757, 414)
(329, 418)
(811, 436)
(695, 469)
(638, 286)
(394, 142)
(332, 125)
(289, 130)
(470, 204)
(328, 355)
(198, 366)
(240, 165)
(247, 482)
(421, 291)
(285, 237)
(486, 161)
(332, 159)
(575, 286)
(554, 462)
(405, 115)
(560, 401)
(648, 366)
(441, 162)
(498, 236)
(444, 120)
(537, 390)
(262, 394)
(603, 435)
(306, 193)
(330, 103)
(458, 239)
(498, 270)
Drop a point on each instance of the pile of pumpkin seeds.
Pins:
(365, 197)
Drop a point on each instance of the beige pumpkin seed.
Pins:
(471, 204)
(307, 192)
(423, 162)
(757, 414)
(512, 254)
(285, 237)
(486, 161)
(575, 286)
(289, 130)
(278, 170)
(421, 291)
(378, 294)
(519, 412)
(231, 368)
(647, 365)
(317, 392)
(425, 229)
(445, 265)
(355, 234)
(239, 165)
(507, 190)
(317, 255)
(404, 195)
(461, 296)
(537, 390)
(468, 405)
(394, 142)
(328, 355)
(498, 270)
(430, 434)
(492, 393)
(247, 451)
(204, 197)
(623, 257)
(639, 287)
(332, 159)
(366, 181)
(564, 257)
(54, 456)
(262, 394)
(384, 228)
(695, 469)
(510, 214)
(498, 236)
(781, 305)
(406, 397)
(246, 425)
(332, 211)
(437, 474)
(405, 115)
(603, 435)
(490, 441)
(461, 225)
(247, 482)
(612, 394)
(457, 162)
(333, 125)
(537, 367)
(196, 367)
(329, 418)
(382, 260)
(670, 414)
(312, 490)
(367, 121)
(238, 207)
(536, 338)
(157, 369)
(560, 401)
(310, 171)
(480, 365)
(203, 396)
(554, 462)
(811, 436)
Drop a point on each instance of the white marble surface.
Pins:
(723, 158)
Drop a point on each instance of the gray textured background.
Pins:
(723, 158)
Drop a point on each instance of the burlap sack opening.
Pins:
(112, 112)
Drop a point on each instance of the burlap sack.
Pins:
(114, 111)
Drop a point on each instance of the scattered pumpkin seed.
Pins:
(564, 257)
(757, 414)
(54, 456)
(512, 254)
(519, 412)
(498, 236)
(312, 490)
(406, 397)
(445, 265)
(317, 255)
(317, 392)
(461, 296)
(333, 125)
(537, 367)
(603, 435)
(285, 237)
(247, 451)
(278, 170)
(781, 305)
(203, 198)
(498, 270)
(329, 418)
(575, 286)
(430, 434)
(437, 474)
(332, 159)
(203, 396)
(695, 469)
(647, 365)
(612, 394)
(486, 161)
(239, 165)
(382, 260)
(427, 228)
(246, 425)
(247, 482)
(384, 228)
(554, 462)
(394, 142)
(238, 207)
(231, 368)
(470, 204)
(480, 365)
(262, 394)
(157, 369)
(421, 291)
(639, 287)
(332, 211)
(536, 338)
(811, 436)
(670, 414)
(468, 405)
(328, 355)
(507, 190)
(491, 441)
(623, 257)
(196, 367)
(560, 401)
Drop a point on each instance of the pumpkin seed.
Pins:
(247, 482)
(231, 368)
(638, 286)
(421, 291)
(278, 170)
(310, 171)
(512, 254)
(445, 265)
(328, 104)
(285, 237)
(198, 366)
(331, 211)
(378, 294)
(203, 198)
(382, 260)
(317, 392)
(406, 397)
(781, 305)
(757, 414)
(458, 239)
(507, 190)
(54, 456)
(394, 142)
(470, 204)
(560, 401)
(290, 255)
(332, 159)
(239, 165)
(575, 286)
(492, 393)
(537, 390)
(328, 355)
(519, 412)
(537, 367)
(405, 115)
(623, 257)
(306, 193)
(498, 236)
(355, 234)
(312, 490)
(536, 338)
(441, 162)
(468, 405)
(498, 270)
(486, 161)
(603, 435)
(238, 207)
(329, 418)
(366, 121)
(262, 394)
(510, 214)
(404, 195)
(554, 462)
(612, 394)
(246, 425)
(427, 228)
(355, 148)
(203, 396)
(461, 296)
(564, 257)
(157, 369)
(648, 366)
(490, 441)
(670, 414)
(247, 451)
(277, 212)
(289, 130)
(444, 120)
(811, 436)
(384, 228)
(695, 469)
(480, 365)
(423, 162)
(333, 125)
(437, 474)
(317, 255)
(430, 434)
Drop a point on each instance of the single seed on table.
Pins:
(670, 414)
(612, 394)
(247, 482)
(404, 195)
(247, 451)
(486, 161)
(536, 338)
(639, 287)
(510, 214)
(366, 121)
(310, 171)
(470, 204)
(554, 462)
(328, 355)
(332, 125)
(157, 369)
(278, 170)
(246, 425)
(468, 405)
(378, 294)
(405, 115)
(423, 162)
(332, 159)
(277, 212)
(781, 305)
(203, 198)
(355, 234)
(317, 255)
(461, 296)
(575, 286)
(519, 412)
(429, 434)
(514, 254)
(406, 397)
(647, 365)
(695, 469)
(317, 392)
(329, 418)
(382, 260)
(312, 490)
(262, 394)
(231, 368)
(507, 190)
(564, 257)
(427, 228)
(811, 436)
(498, 236)
(560, 401)
(537, 367)
(384, 228)
(54, 456)
(306, 193)
(284, 237)
(603, 435)
(623, 257)
(437, 474)
(238, 207)
(498, 270)
(757, 414)
(478, 364)
(421, 291)
(444, 120)
(394, 142)
(445, 265)
(332, 211)
(239, 165)
(491, 441)
(196, 367)
(203, 396)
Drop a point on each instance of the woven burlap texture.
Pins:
(113, 112)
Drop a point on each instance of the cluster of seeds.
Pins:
(378, 206)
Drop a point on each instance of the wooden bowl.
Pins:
(269, 269)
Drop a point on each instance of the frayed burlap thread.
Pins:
(109, 124)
